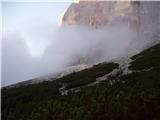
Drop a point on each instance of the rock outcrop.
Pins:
(142, 17)
(137, 14)
(100, 13)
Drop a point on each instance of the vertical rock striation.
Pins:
(100, 13)
(141, 16)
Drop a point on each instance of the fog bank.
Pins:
(39, 50)
(70, 45)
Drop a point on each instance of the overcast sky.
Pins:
(38, 1)
(28, 29)
(27, 18)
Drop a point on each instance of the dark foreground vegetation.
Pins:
(135, 96)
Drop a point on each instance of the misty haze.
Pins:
(38, 47)
(80, 60)
(35, 45)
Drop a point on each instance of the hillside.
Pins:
(101, 92)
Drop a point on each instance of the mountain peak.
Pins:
(100, 13)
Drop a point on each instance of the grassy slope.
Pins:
(135, 96)
(18, 102)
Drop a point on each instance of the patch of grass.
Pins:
(88, 75)
(18, 102)
(134, 96)
(147, 59)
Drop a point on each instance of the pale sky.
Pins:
(27, 28)
(37, 1)
(34, 21)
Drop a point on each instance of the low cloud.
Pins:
(68, 46)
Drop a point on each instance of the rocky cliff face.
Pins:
(100, 13)
(142, 17)
(149, 13)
